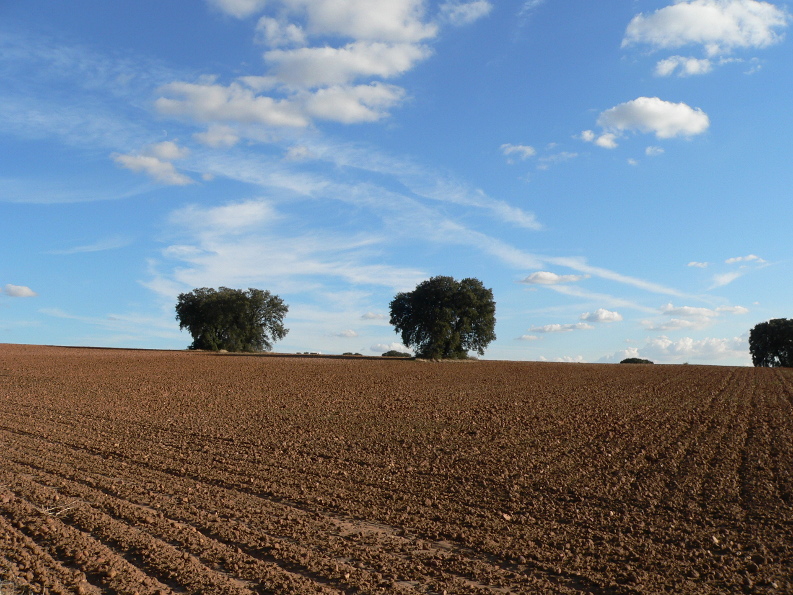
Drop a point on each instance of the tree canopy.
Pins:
(635, 360)
(445, 318)
(771, 343)
(232, 319)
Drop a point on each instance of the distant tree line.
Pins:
(441, 318)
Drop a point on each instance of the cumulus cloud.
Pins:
(312, 67)
(665, 350)
(162, 171)
(168, 151)
(528, 338)
(653, 151)
(601, 315)
(606, 140)
(548, 278)
(348, 334)
(522, 152)
(209, 102)
(719, 26)
(275, 33)
(20, 291)
(747, 264)
(684, 66)
(349, 105)
(218, 136)
(750, 258)
(699, 265)
(383, 347)
(561, 328)
(688, 317)
(464, 13)
(653, 115)
(239, 8)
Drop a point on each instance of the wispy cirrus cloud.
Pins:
(111, 243)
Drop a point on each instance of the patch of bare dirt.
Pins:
(154, 472)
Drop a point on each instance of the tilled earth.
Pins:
(184, 472)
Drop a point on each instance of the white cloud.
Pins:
(665, 350)
(675, 324)
(548, 278)
(723, 279)
(561, 328)
(167, 151)
(687, 311)
(383, 347)
(720, 26)
(653, 115)
(348, 334)
(567, 359)
(561, 157)
(607, 140)
(275, 33)
(749, 258)
(699, 265)
(298, 153)
(653, 151)
(528, 338)
(349, 105)
(464, 13)
(218, 136)
(18, 291)
(312, 67)
(684, 66)
(601, 315)
(374, 316)
(100, 246)
(239, 8)
(231, 218)
(688, 317)
(383, 20)
(209, 102)
(522, 152)
(733, 309)
(162, 171)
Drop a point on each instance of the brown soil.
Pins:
(173, 472)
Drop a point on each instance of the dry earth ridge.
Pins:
(155, 472)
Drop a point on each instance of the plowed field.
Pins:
(177, 472)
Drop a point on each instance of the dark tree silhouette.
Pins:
(771, 343)
(444, 318)
(232, 319)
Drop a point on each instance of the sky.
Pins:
(618, 173)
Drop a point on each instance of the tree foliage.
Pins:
(395, 353)
(232, 319)
(771, 343)
(635, 360)
(444, 318)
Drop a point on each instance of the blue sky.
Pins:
(619, 176)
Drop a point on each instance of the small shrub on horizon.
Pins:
(636, 360)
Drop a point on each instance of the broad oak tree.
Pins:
(232, 319)
(444, 318)
(771, 343)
